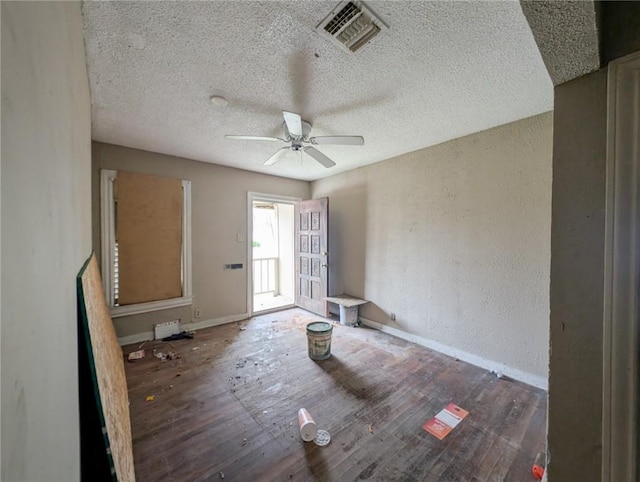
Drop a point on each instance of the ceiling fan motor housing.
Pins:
(306, 130)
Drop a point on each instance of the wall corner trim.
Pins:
(214, 322)
(136, 338)
(148, 335)
(522, 376)
(622, 260)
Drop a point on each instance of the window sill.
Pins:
(127, 310)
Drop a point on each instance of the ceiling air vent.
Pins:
(351, 25)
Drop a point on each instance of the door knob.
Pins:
(324, 253)
(324, 265)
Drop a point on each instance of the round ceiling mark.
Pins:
(218, 101)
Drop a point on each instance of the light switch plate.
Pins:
(233, 266)
(240, 237)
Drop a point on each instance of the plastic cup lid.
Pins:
(322, 438)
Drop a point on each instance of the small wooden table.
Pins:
(348, 308)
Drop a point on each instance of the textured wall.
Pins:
(46, 235)
(219, 213)
(454, 240)
(577, 279)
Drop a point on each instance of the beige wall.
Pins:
(577, 279)
(46, 235)
(219, 213)
(454, 240)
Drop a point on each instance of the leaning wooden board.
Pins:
(107, 372)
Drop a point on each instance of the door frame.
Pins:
(264, 197)
(622, 264)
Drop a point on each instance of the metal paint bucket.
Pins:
(319, 340)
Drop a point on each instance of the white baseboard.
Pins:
(528, 378)
(198, 325)
(148, 335)
(137, 338)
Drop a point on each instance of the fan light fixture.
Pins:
(296, 131)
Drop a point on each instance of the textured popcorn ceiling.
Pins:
(567, 35)
(443, 70)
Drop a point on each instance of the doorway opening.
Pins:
(271, 251)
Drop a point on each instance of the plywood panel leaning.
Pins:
(107, 372)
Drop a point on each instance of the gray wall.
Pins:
(577, 279)
(454, 240)
(46, 235)
(619, 29)
(219, 213)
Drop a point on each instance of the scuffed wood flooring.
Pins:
(227, 407)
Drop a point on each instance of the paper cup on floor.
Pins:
(308, 428)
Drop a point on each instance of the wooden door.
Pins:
(311, 252)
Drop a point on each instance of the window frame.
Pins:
(108, 238)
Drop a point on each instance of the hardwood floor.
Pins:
(227, 407)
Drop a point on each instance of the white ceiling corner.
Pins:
(443, 70)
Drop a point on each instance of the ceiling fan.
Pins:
(296, 132)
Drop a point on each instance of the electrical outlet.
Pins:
(392, 316)
(196, 313)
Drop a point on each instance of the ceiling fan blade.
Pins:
(319, 156)
(275, 157)
(294, 123)
(254, 138)
(338, 140)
